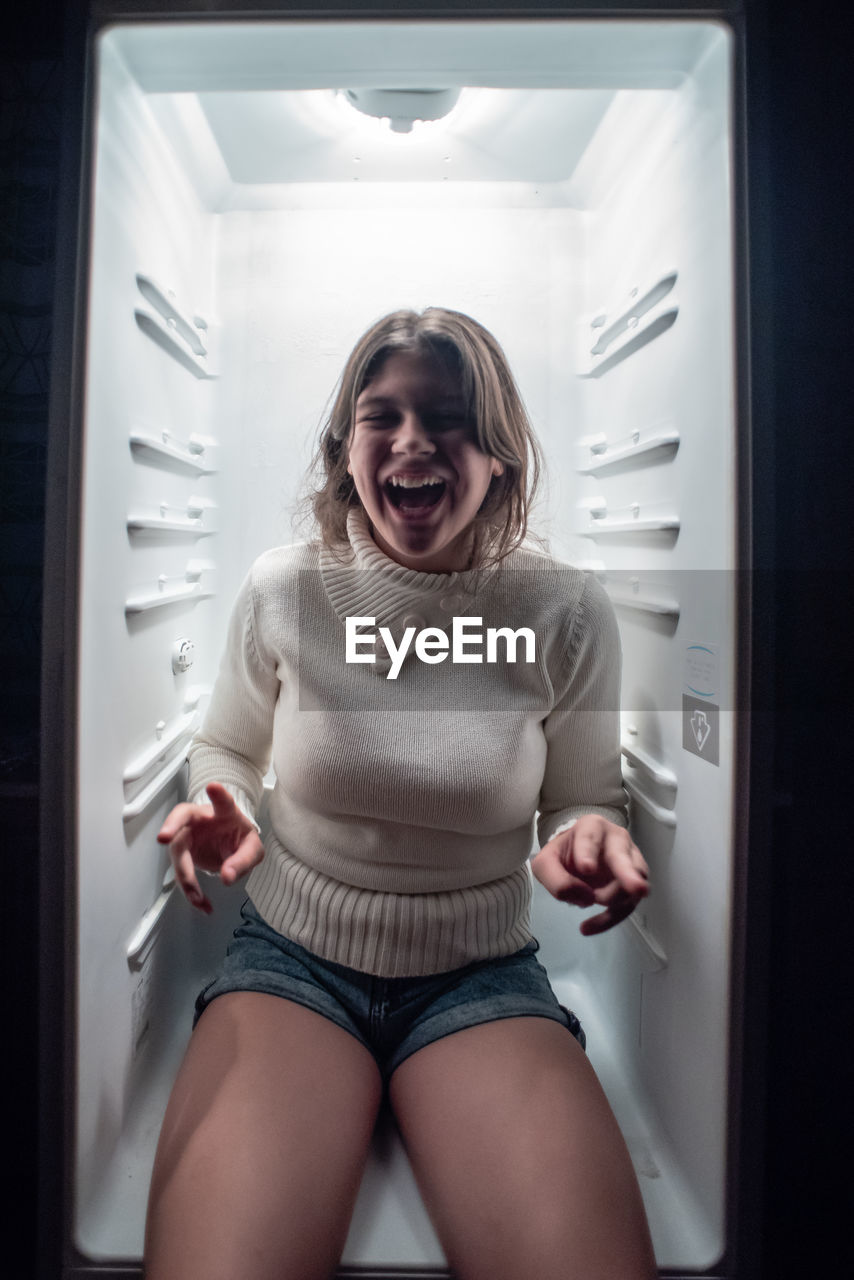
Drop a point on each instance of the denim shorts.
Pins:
(392, 1017)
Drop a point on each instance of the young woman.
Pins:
(385, 947)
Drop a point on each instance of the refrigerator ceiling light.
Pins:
(254, 140)
(402, 107)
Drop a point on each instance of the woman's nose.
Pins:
(412, 436)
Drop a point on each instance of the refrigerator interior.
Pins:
(248, 224)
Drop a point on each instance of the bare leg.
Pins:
(519, 1157)
(262, 1147)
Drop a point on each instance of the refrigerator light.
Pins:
(403, 107)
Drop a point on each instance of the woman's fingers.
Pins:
(223, 802)
(608, 918)
(594, 862)
(549, 869)
(247, 855)
(583, 845)
(618, 904)
(625, 862)
(249, 850)
(222, 807)
(218, 838)
(175, 820)
(185, 873)
(602, 851)
(560, 883)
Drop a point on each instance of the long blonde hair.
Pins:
(492, 399)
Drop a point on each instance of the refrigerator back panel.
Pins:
(249, 222)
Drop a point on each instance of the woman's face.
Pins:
(416, 465)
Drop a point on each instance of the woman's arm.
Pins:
(234, 744)
(216, 830)
(587, 855)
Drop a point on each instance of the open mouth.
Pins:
(414, 493)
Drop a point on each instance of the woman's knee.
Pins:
(263, 1145)
(519, 1156)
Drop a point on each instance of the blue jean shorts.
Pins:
(392, 1017)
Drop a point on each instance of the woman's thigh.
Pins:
(519, 1157)
(262, 1147)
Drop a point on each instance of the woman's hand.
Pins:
(594, 862)
(215, 837)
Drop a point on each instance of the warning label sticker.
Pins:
(700, 728)
(700, 707)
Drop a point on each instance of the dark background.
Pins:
(799, 102)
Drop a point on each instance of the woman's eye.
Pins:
(447, 422)
(433, 424)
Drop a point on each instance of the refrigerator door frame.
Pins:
(753, 799)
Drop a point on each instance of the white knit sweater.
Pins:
(399, 828)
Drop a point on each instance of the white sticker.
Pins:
(702, 671)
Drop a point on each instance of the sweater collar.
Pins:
(364, 581)
(369, 556)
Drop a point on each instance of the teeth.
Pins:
(414, 482)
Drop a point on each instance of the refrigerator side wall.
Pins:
(131, 701)
(667, 1015)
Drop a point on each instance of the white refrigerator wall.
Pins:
(297, 288)
(145, 215)
(284, 291)
(662, 205)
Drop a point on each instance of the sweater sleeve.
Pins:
(583, 773)
(234, 744)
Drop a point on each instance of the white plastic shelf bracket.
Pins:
(163, 594)
(163, 301)
(167, 339)
(172, 519)
(611, 336)
(653, 771)
(643, 761)
(167, 751)
(601, 524)
(158, 783)
(142, 939)
(164, 449)
(666, 608)
(638, 445)
(170, 737)
(666, 817)
(654, 955)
